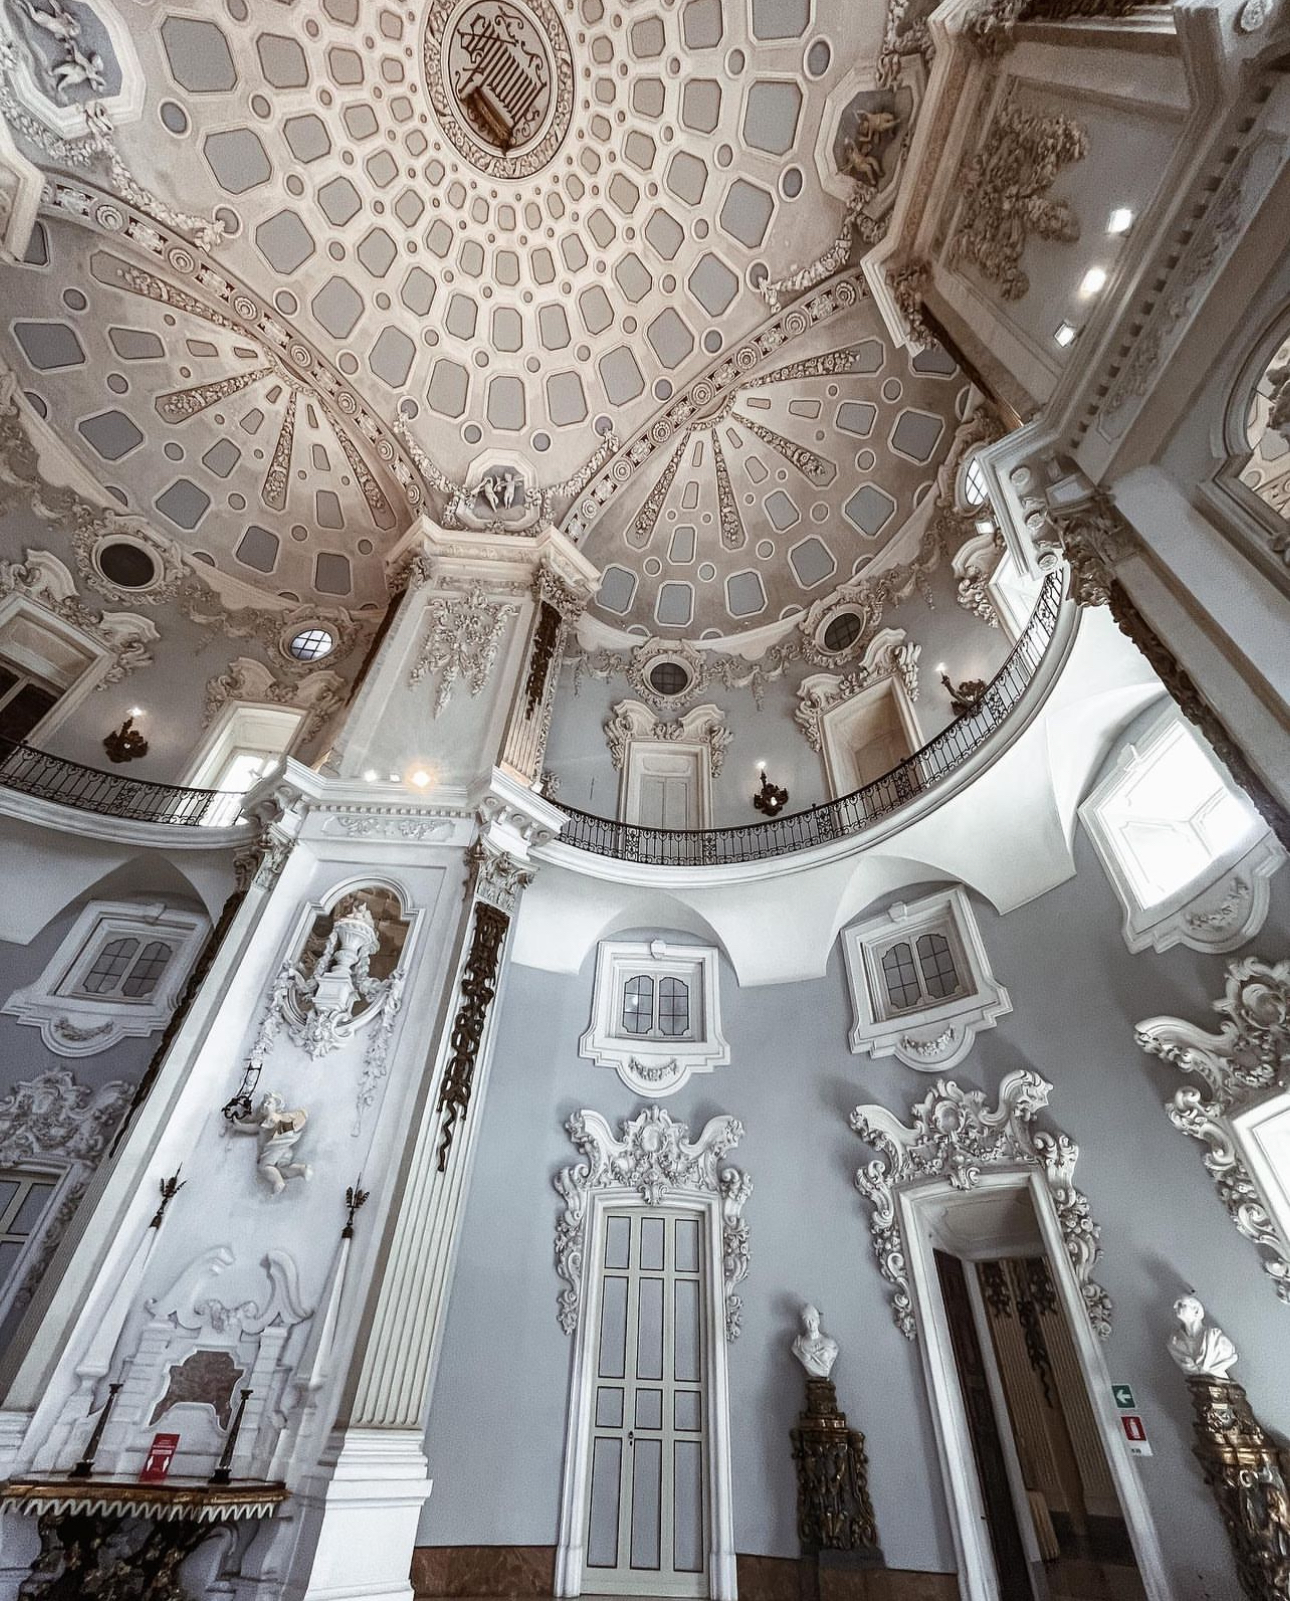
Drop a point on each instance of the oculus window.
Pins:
(655, 1014)
(1186, 853)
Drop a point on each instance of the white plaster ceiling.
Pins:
(512, 308)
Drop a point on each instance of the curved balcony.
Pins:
(137, 800)
(849, 815)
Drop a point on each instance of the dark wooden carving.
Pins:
(478, 987)
(99, 1554)
(1248, 1475)
(546, 637)
(834, 1512)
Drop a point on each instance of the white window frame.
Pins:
(242, 727)
(927, 1038)
(655, 1067)
(95, 659)
(56, 1177)
(1223, 907)
(72, 1024)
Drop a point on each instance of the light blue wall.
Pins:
(496, 1428)
(578, 753)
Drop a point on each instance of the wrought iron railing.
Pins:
(850, 814)
(55, 778)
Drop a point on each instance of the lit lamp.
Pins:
(965, 698)
(125, 743)
(770, 798)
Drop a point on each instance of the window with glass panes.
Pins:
(23, 1198)
(920, 972)
(126, 968)
(656, 1009)
(24, 701)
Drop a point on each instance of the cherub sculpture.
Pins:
(278, 1131)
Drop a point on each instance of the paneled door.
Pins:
(646, 1516)
(664, 787)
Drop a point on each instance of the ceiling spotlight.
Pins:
(1065, 335)
(1120, 220)
(1093, 282)
(770, 798)
(370, 776)
(420, 778)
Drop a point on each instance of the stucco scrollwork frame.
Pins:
(954, 1136)
(1245, 1067)
(654, 1157)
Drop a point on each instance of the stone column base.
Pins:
(358, 1516)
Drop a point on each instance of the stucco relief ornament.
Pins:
(463, 640)
(1004, 188)
(47, 581)
(954, 1136)
(54, 1121)
(1246, 1063)
(889, 655)
(655, 1157)
(703, 725)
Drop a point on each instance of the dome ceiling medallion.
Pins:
(500, 77)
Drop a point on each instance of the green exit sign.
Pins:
(1123, 1394)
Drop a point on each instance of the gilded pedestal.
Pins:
(1248, 1475)
(834, 1513)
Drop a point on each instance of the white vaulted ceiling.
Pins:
(384, 263)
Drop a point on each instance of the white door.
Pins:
(649, 1452)
(663, 786)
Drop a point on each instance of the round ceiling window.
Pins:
(842, 631)
(126, 565)
(311, 645)
(669, 678)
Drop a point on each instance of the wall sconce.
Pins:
(965, 698)
(770, 798)
(125, 743)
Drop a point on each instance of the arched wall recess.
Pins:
(954, 1136)
(1246, 1071)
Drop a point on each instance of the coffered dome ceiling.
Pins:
(432, 256)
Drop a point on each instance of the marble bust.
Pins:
(816, 1351)
(1202, 1353)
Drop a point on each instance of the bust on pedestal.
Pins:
(835, 1522)
(1246, 1470)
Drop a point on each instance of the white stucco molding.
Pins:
(1245, 1068)
(929, 1037)
(658, 1065)
(653, 1159)
(952, 1135)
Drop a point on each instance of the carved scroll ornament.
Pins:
(953, 1135)
(704, 725)
(889, 655)
(1245, 1063)
(654, 1156)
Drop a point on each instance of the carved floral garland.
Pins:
(654, 1156)
(464, 638)
(954, 1136)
